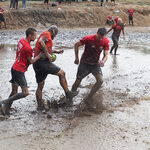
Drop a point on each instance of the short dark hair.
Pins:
(101, 31)
(30, 31)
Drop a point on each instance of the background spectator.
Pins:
(12, 4)
(15, 4)
(46, 4)
(2, 19)
(130, 11)
(23, 4)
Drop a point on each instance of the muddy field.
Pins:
(119, 118)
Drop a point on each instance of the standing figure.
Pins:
(45, 66)
(117, 28)
(23, 4)
(2, 19)
(130, 12)
(23, 59)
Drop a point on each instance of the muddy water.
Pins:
(120, 119)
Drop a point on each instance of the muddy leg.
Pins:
(63, 83)
(5, 23)
(62, 80)
(13, 92)
(116, 47)
(39, 95)
(5, 104)
(76, 84)
(132, 22)
(97, 85)
(112, 48)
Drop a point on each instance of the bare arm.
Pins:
(109, 30)
(42, 41)
(58, 52)
(76, 50)
(31, 61)
(104, 59)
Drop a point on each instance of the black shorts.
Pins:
(18, 78)
(59, 1)
(42, 68)
(112, 0)
(85, 69)
(115, 39)
(46, 1)
(2, 19)
(130, 18)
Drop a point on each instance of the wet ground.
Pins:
(120, 115)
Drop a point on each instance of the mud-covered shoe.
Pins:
(4, 109)
(62, 101)
(71, 94)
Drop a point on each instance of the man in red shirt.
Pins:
(2, 19)
(90, 61)
(109, 20)
(130, 11)
(117, 28)
(113, 2)
(44, 66)
(116, 19)
(22, 61)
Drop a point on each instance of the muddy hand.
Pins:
(41, 54)
(60, 52)
(76, 61)
(101, 63)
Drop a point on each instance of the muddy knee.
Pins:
(100, 82)
(61, 73)
(26, 93)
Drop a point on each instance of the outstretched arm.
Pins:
(76, 50)
(58, 52)
(42, 41)
(109, 30)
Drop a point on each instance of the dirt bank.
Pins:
(87, 14)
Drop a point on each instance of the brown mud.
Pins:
(76, 15)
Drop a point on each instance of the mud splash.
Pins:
(119, 113)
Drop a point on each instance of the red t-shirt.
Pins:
(23, 52)
(109, 17)
(130, 11)
(117, 29)
(116, 19)
(93, 49)
(48, 43)
(1, 11)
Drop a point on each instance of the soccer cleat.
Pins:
(71, 94)
(5, 109)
